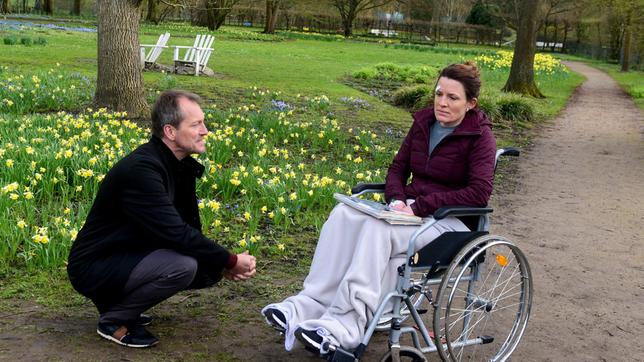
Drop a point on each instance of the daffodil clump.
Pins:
(43, 91)
(52, 167)
(270, 171)
(502, 60)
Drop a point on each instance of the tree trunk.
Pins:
(216, 12)
(76, 8)
(521, 79)
(545, 34)
(119, 83)
(153, 11)
(347, 25)
(5, 7)
(626, 49)
(436, 11)
(566, 28)
(48, 7)
(555, 37)
(272, 7)
(348, 14)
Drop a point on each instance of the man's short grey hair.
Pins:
(166, 110)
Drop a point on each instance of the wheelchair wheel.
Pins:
(483, 302)
(407, 354)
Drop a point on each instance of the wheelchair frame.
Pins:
(466, 251)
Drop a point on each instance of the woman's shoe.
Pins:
(276, 319)
(311, 340)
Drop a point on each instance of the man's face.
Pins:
(189, 135)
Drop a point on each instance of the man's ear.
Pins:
(169, 131)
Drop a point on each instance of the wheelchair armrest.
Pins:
(509, 151)
(361, 188)
(446, 211)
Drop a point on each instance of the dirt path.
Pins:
(576, 210)
(578, 213)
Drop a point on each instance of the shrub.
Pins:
(10, 40)
(507, 110)
(27, 41)
(516, 108)
(366, 74)
(40, 41)
(397, 73)
(408, 97)
(487, 103)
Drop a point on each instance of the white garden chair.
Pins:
(196, 56)
(150, 53)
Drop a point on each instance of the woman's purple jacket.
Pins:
(459, 171)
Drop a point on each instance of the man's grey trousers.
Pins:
(157, 277)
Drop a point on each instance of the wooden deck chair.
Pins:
(196, 56)
(149, 57)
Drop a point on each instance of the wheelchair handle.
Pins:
(362, 188)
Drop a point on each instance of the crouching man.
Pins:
(142, 240)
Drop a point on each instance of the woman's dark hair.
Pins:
(467, 74)
(166, 110)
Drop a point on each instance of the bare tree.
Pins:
(553, 12)
(629, 14)
(272, 7)
(216, 12)
(349, 10)
(5, 7)
(48, 7)
(119, 83)
(521, 79)
(153, 11)
(76, 7)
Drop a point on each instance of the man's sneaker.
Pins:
(311, 340)
(133, 336)
(143, 320)
(275, 319)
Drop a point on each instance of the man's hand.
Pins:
(243, 270)
(401, 207)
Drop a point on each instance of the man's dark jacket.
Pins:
(147, 201)
(459, 171)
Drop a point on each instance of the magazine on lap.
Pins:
(379, 211)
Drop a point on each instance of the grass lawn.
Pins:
(295, 71)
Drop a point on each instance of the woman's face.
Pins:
(450, 102)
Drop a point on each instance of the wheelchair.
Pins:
(480, 307)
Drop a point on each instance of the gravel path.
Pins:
(578, 213)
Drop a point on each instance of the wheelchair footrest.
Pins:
(340, 355)
(486, 339)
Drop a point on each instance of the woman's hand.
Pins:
(402, 207)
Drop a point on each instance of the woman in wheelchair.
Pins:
(450, 154)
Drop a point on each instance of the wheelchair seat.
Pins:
(438, 254)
